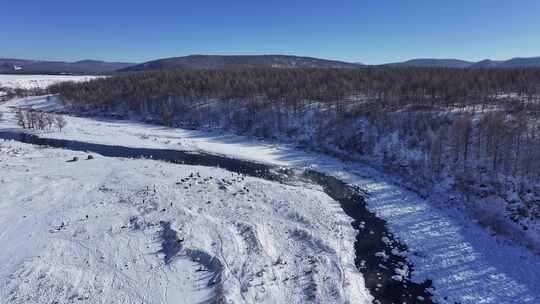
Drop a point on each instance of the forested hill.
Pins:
(291, 62)
(474, 130)
(441, 63)
(527, 62)
(238, 61)
(396, 87)
(231, 62)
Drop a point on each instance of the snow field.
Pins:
(89, 232)
(37, 81)
(465, 263)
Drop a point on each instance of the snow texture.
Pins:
(37, 81)
(465, 263)
(113, 230)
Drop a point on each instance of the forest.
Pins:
(478, 128)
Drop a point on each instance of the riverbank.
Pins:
(128, 230)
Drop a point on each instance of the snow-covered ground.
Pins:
(37, 81)
(107, 230)
(465, 263)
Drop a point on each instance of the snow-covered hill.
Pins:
(240, 61)
(37, 81)
(82, 67)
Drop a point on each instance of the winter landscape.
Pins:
(91, 222)
(176, 152)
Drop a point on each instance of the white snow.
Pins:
(466, 263)
(37, 81)
(88, 231)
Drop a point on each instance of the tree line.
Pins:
(37, 120)
(394, 87)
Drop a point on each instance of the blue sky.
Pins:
(361, 30)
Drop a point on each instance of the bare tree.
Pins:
(166, 113)
(462, 130)
(60, 122)
(21, 119)
(32, 118)
(49, 121)
(41, 120)
(494, 125)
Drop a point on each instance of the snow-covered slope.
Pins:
(110, 230)
(37, 81)
(465, 263)
(107, 230)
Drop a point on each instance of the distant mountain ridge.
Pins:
(287, 61)
(24, 66)
(431, 62)
(518, 62)
(240, 61)
(487, 63)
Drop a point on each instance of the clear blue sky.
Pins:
(368, 31)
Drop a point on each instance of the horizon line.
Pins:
(268, 54)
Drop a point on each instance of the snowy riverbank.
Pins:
(131, 231)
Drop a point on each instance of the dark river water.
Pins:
(372, 236)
